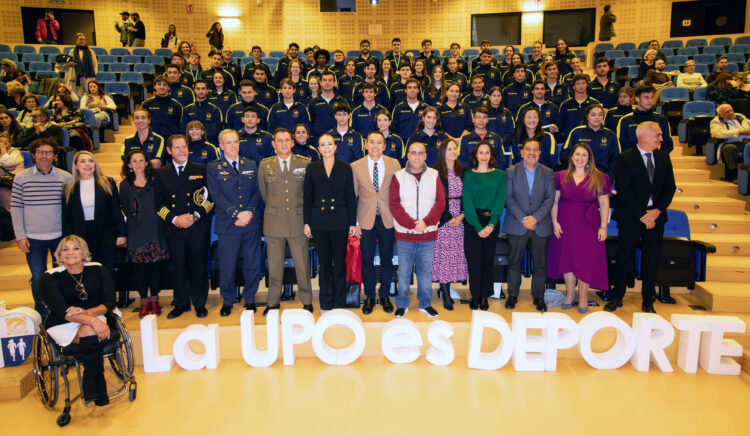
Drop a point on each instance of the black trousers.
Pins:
(628, 236)
(188, 250)
(331, 248)
(147, 276)
(518, 246)
(480, 255)
(729, 154)
(383, 238)
(101, 250)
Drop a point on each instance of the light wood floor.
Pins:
(375, 397)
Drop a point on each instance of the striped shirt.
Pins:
(36, 203)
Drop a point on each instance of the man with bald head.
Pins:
(417, 200)
(645, 186)
(233, 184)
(734, 129)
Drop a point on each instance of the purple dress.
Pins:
(449, 262)
(578, 250)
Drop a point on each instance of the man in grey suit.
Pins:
(528, 201)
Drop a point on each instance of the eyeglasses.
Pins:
(44, 152)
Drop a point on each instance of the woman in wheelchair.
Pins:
(79, 294)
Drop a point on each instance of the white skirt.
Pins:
(64, 334)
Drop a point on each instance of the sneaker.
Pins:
(432, 313)
(400, 312)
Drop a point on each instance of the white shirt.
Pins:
(288, 163)
(232, 161)
(381, 169)
(88, 198)
(177, 166)
(645, 162)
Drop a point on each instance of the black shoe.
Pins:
(502, 295)
(648, 307)
(484, 304)
(510, 303)
(400, 312)
(387, 306)
(432, 313)
(250, 306)
(177, 311)
(368, 306)
(308, 307)
(201, 312)
(664, 297)
(225, 310)
(613, 304)
(540, 304)
(124, 301)
(445, 292)
(474, 304)
(269, 308)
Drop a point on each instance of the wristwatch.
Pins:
(491, 225)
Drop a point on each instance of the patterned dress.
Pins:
(449, 261)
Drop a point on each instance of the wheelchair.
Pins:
(51, 364)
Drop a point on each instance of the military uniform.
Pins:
(283, 223)
(234, 191)
(188, 248)
(256, 146)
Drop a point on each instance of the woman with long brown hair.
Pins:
(579, 222)
(449, 260)
(723, 90)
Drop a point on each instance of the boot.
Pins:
(144, 308)
(153, 302)
(445, 290)
(89, 353)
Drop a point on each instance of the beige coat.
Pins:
(368, 199)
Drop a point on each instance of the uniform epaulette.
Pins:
(268, 158)
(303, 157)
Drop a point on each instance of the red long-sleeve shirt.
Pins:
(406, 221)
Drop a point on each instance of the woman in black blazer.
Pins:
(91, 210)
(330, 215)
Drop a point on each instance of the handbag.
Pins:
(353, 272)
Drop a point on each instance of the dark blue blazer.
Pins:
(234, 192)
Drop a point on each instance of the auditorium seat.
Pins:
(142, 51)
(613, 54)
(673, 99)
(92, 126)
(276, 54)
(706, 58)
(633, 73)
(743, 174)
(119, 51)
(697, 42)
(687, 51)
(119, 67)
(694, 128)
(739, 48)
(21, 49)
(351, 54)
(677, 60)
(740, 40)
(603, 47)
(721, 41)
(467, 53)
(49, 51)
(120, 93)
(28, 160)
(148, 71)
(106, 59)
(162, 52)
(643, 45)
(5, 48)
(732, 66)
(671, 67)
(714, 50)
(99, 51)
(3, 87)
(377, 54)
(239, 54)
(700, 93)
(105, 76)
(676, 43)
(9, 56)
(35, 68)
(702, 69)
(626, 46)
(637, 54)
(132, 59)
(135, 82)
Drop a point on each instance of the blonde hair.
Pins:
(649, 52)
(100, 178)
(77, 240)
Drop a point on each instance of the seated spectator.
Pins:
(8, 70)
(742, 81)
(724, 90)
(658, 78)
(98, 101)
(10, 126)
(11, 162)
(68, 116)
(690, 79)
(16, 91)
(654, 45)
(42, 128)
(734, 129)
(29, 103)
(647, 63)
(721, 67)
(61, 88)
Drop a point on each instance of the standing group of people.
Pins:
(131, 29)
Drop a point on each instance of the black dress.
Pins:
(57, 289)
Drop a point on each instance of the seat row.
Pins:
(699, 43)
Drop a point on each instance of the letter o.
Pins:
(339, 356)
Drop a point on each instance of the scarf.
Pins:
(84, 68)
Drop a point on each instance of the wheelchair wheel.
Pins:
(45, 372)
(63, 419)
(125, 349)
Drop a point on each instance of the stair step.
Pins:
(719, 222)
(708, 188)
(724, 243)
(15, 277)
(728, 269)
(688, 162)
(724, 296)
(700, 205)
(11, 256)
(691, 175)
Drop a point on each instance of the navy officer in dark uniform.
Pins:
(233, 185)
(183, 205)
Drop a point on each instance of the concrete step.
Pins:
(688, 162)
(727, 244)
(14, 277)
(723, 296)
(723, 223)
(708, 188)
(699, 205)
(729, 269)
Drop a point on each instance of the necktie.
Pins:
(285, 170)
(650, 167)
(376, 184)
(179, 170)
(234, 165)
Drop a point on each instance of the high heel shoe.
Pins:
(566, 306)
(445, 291)
(484, 304)
(473, 304)
(583, 309)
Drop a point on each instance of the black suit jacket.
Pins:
(329, 202)
(180, 195)
(634, 188)
(107, 215)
